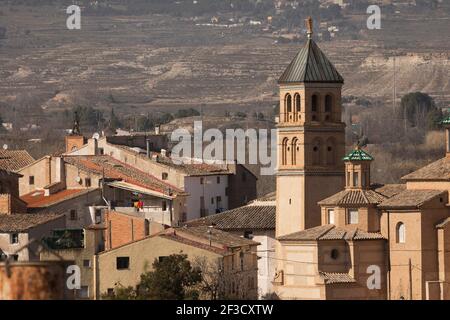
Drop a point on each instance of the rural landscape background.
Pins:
(136, 64)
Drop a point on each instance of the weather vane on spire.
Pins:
(76, 124)
(309, 27)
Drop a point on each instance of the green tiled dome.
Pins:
(446, 120)
(358, 155)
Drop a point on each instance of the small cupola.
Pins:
(357, 169)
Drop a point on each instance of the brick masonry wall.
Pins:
(123, 229)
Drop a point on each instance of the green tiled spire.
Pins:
(358, 155)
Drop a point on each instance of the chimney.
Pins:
(93, 147)
(60, 175)
(148, 147)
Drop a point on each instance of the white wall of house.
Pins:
(9, 248)
(267, 262)
(209, 188)
(81, 216)
(266, 258)
(35, 233)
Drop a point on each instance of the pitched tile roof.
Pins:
(443, 223)
(438, 170)
(389, 190)
(178, 238)
(37, 199)
(330, 232)
(116, 169)
(195, 169)
(215, 235)
(310, 65)
(250, 217)
(354, 197)
(335, 277)
(14, 160)
(268, 197)
(411, 199)
(192, 169)
(358, 155)
(25, 221)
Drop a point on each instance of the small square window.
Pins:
(87, 182)
(110, 292)
(14, 238)
(87, 263)
(165, 176)
(14, 257)
(31, 180)
(122, 263)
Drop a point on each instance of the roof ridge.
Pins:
(331, 227)
(364, 196)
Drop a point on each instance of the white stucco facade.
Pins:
(207, 194)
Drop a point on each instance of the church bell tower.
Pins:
(311, 138)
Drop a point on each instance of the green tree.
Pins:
(184, 113)
(172, 278)
(122, 293)
(240, 114)
(420, 110)
(114, 121)
(145, 123)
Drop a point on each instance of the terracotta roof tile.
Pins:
(14, 160)
(116, 169)
(254, 216)
(411, 199)
(193, 169)
(390, 190)
(331, 232)
(438, 170)
(25, 221)
(37, 199)
(335, 277)
(176, 237)
(354, 196)
(215, 235)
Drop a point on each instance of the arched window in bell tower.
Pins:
(294, 147)
(331, 152)
(298, 106)
(288, 107)
(317, 151)
(284, 151)
(314, 107)
(328, 103)
(328, 107)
